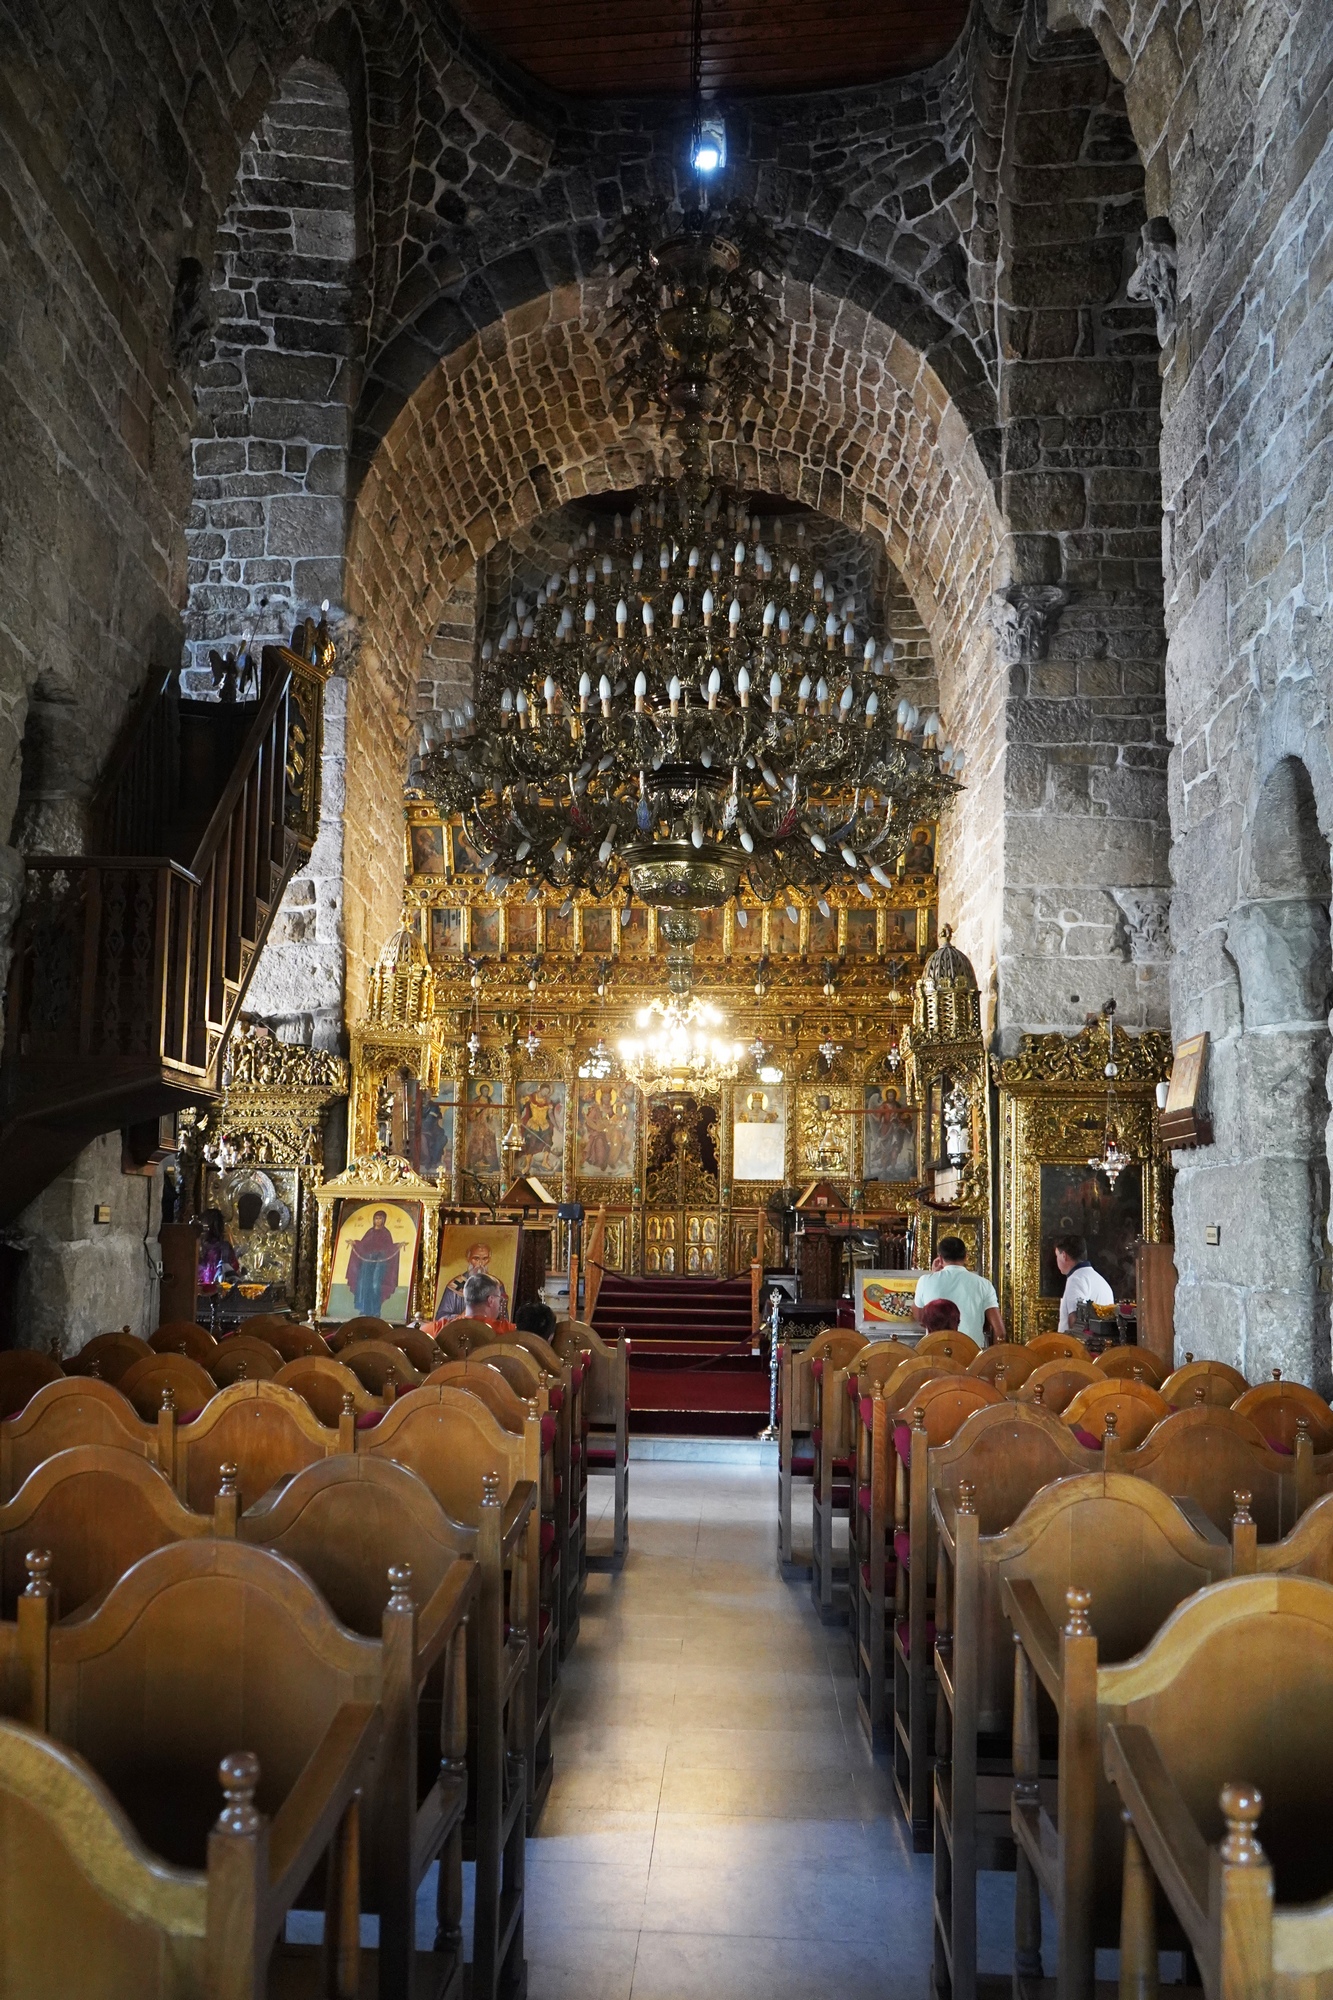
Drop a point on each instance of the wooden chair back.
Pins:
(1008, 1356)
(1133, 1363)
(108, 1355)
(244, 1357)
(1212, 1382)
(96, 1510)
(182, 1336)
(263, 1431)
(293, 1341)
(1306, 1551)
(1279, 1408)
(520, 1370)
(1054, 1384)
(205, 1641)
(1225, 1817)
(950, 1342)
(605, 1412)
(78, 1410)
(878, 1361)
(324, 1384)
(448, 1437)
(840, 1345)
(419, 1348)
(944, 1403)
(1007, 1453)
(380, 1367)
(87, 1908)
(346, 1520)
(456, 1338)
(351, 1330)
(147, 1382)
(481, 1379)
(542, 1353)
(910, 1376)
(1210, 1455)
(1128, 1409)
(23, 1371)
(1059, 1347)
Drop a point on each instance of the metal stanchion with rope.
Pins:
(768, 1435)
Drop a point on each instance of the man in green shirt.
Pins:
(974, 1296)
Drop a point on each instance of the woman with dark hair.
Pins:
(536, 1318)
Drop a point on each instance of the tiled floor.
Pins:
(716, 1824)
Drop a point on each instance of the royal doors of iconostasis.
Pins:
(682, 1226)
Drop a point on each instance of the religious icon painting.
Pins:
(433, 1124)
(890, 1136)
(477, 1268)
(560, 928)
(900, 933)
(446, 932)
(521, 928)
(919, 858)
(607, 1130)
(485, 939)
(597, 927)
(862, 934)
(541, 1120)
(484, 1127)
(376, 1245)
(759, 1133)
(426, 841)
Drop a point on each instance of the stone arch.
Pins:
(1278, 936)
(520, 419)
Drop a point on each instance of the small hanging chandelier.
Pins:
(597, 1063)
(683, 1051)
(1113, 1159)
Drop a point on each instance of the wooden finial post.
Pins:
(227, 1503)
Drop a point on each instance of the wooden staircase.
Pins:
(131, 964)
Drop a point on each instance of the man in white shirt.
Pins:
(1083, 1285)
(974, 1296)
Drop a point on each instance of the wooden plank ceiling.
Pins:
(641, 48)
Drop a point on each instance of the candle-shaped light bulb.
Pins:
(803, 693)
(622, 617)
(521, 610)
(529, 627)
(648, 619)
(849, 639)
(590, 614)
(775, 691)
(714, 687)
(869, 654)
(872, 707)
(770, 616)
(734, 616)
(847, 698)
(637, 564)
(808, 628)
(821, 692)
(794, 573)
(520, 703)
(747, 841)
(739, 557)
(932, 728)
(817, 583)
(664, 559)
(487, 649)
(715, 563)
(604, 694)
(585, 693)
(697, 833)
(549, 691)
(743, 687)
(694, 561)
(673, 694)
(677, 608)
(640, 691)
(708, 607)
(784, 626)
(507, 702)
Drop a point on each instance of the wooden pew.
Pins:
(88, 1908)
(203, 1640)
(79, 1410)
(343, 1522)
(108, 1355)
(265, 1432)
(293, 1342)
(939, 1408)
(558, 1374)
(870, 1523)
(451, 1440)
(1307, 1550)
(146, 1382)
(479, 1379)
(606, 1408)
(1133, 1364)
(1135, 1407)
(324, 1384)
(1059, 1347)
(243, 1357)
(456, 1338)
(797, 1406)
(1211, 1382)
(1210, 1454)
(1278, 1408)
(379, 1367)
(1110, 1559)
(1056, 1382)
(1256, 1657)
(364, 1328)
(1008, 1357)
(182, 1336)
(96, 1510)
(831, 1436)
(531, 1383)
(23, 1371)
(955, 1346)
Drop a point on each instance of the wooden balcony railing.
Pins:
(129, 970)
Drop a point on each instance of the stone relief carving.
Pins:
(1153, 282)
(1022, 617)
(1146, 914)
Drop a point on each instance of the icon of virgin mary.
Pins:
(372, 1268)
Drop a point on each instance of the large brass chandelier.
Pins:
(684, 703)
(679, 1047)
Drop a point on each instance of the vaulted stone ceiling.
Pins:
(641, 48)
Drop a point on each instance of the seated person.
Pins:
(536, 1318)
(940, 1316)
(484, 1298)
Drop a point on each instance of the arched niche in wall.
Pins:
(1279, 939)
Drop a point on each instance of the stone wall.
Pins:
(1230, 107)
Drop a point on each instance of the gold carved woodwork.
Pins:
(1053, 1107)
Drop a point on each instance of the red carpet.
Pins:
(691, 1371)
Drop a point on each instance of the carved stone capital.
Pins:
(1153, 282)
(1022, 617)
(1147, 920)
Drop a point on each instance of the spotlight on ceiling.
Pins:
(708, 147)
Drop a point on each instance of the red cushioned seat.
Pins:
(890, 1575)
(1086, 1437)
(576, 1375)
(576, 1451)
(863, 1499)
(868, 1412)
(817, 1368)
(601, 1455)
(188, 1416)
(817, 1436)
(902, 1442)
(842, 1498)
(850, 1386)
(902, 1547)
(547, 1536)
(803, 1464)
(368, 1419)
(901, 1627)
(543, 1623)
(842, 1465)
(548, 1431)
(556, 1395)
